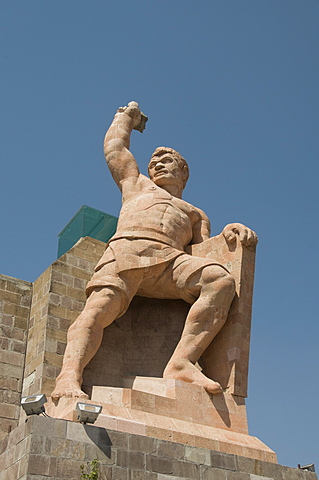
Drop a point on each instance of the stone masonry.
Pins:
(58, 298)
(47, 448)
(15, 301)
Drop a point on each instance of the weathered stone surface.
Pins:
(216, 474)
(223, 460)
(142, 475)
(143, 444)
(41, 449)
(39, 464)
(119, 440)
(159, 464)
(15, 298)
(171, 450)
(107, 455)
(121, 473)
(188, 470)
(237, 476)
(200, 456)
(259, 477)
(132, 460)
(167, 477)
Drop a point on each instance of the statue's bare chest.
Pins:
(157, 202)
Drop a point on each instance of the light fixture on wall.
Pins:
(34, 404)
(87, 412)
(307, 468)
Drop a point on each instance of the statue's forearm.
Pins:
(117, 137)
(120, 160)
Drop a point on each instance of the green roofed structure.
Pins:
(87, 222)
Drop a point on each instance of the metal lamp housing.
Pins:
(33, 404)
(87, 412)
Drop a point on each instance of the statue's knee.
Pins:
(217, 277)
(104, 303)
(229, 283)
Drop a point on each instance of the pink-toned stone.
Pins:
(162, 250)
(125, 374)
(222, 428)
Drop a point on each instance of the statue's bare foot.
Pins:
(186, 371)
(68, 388)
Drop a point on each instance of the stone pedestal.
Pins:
(139, 345)
(173, 410)
(51, 449)
(150, 428)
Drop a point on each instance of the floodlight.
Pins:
(307, 468)
(33, 405)
(88, 413)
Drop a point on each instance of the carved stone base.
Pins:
(175, 411)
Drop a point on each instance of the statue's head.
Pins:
(167, 166)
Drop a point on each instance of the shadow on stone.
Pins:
(221, 408)
(100, 438)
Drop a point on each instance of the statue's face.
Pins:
(165, 170)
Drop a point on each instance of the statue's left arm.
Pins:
(201, 232)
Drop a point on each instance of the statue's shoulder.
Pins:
(201, 214)
(132, 187)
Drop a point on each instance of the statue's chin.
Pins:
(164, 179)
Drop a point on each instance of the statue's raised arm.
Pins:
(120, 160)
(148, 256)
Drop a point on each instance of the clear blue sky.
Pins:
(233, 85)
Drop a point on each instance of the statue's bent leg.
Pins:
(215, 289)
(84, 338)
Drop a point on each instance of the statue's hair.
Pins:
(177, 156)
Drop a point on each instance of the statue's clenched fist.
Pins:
(246, 236)
(133, 111)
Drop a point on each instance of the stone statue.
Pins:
(147, 257)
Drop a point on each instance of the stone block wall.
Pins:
(58, 298)
(36, 335)
(15, 301)
(141, 343)
(34, 319)
(47, 448)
